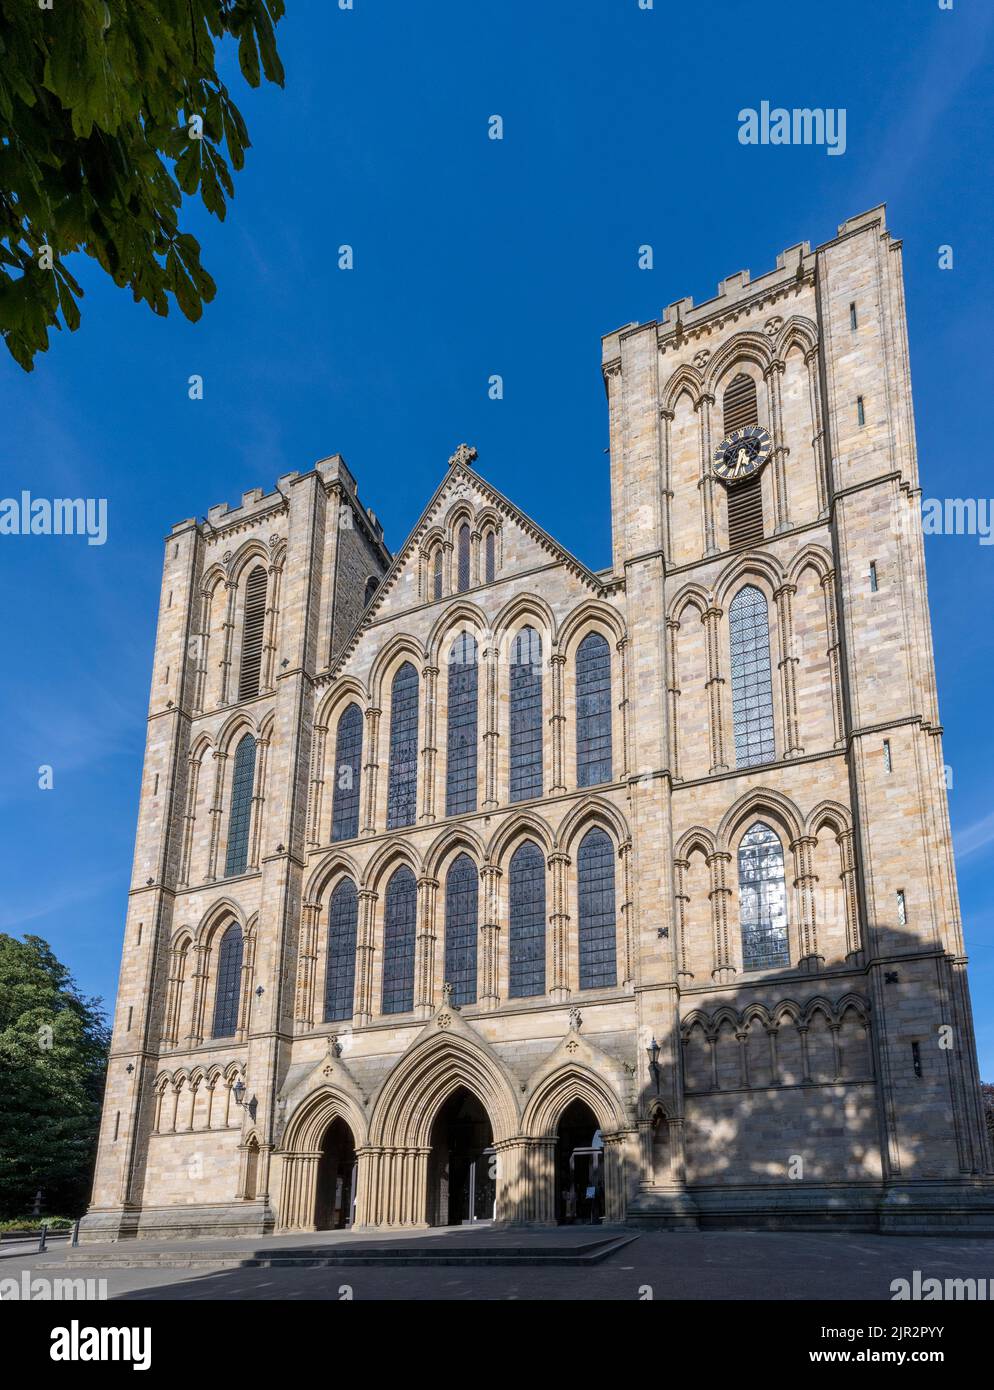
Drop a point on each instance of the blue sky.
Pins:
(475, 257)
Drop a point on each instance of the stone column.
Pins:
(681, 867)
(834, 659)
(854, 943)
(190, 820)
(673, 696)
(559, 922)
(788, 669)
(424, 948)
(268, 663)
(818, 430)
(317, 783)
(258, 803)
(489, 982)
(298, 1197)
(627, 925)
(772, 376)
(429, 753)
(217, 808)
(666, 418)
(804, 883)
(557, 662)
(491, 734)
(711, 619)
(705, 484)
(724, 969)
(201, 963)
(625, 707)
(364, 958)
(307, 964)
(370, 771)
(229, 630)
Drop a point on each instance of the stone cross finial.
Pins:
(465, 455)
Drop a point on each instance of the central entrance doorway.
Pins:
(336, 1194)
(579, 1166)
(462, 1169)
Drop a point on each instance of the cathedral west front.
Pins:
(472, 884)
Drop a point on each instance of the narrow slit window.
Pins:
(888, 766)
(463, 543)
(860, 411)
(490, 556)
(873, 577)
(902, 908)
(347, 773)
(853, 321)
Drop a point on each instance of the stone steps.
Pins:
(344, 1254)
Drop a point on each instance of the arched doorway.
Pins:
(579, 1165)
(335, 1201)
(462, 1169)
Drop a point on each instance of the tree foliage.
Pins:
(53, 1055)
(99, 101)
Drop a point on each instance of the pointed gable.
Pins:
(462, 497)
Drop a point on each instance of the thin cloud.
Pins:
(974, 837)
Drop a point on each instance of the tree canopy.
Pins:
(53, 1055)
(110, 112)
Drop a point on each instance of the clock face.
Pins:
(742, 454)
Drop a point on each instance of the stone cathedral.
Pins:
(472, 884)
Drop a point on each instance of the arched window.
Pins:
(745, 499)
(253, 626)
(526, 715)
(738, 404)
(240, 818)
(229, 983)
(463, 549)
(372, 584)
(436, 565)
(526, 930)
(347, 773)
(752, 689)
(402, 787)
(343, 921)
(762, 900)
(595, 897)
(593, 711)
(460, 773)
(399, 929)
(461, 903)
(490, 556)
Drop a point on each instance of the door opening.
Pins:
(335, 1205)
(579, 1166)
(462, 1170)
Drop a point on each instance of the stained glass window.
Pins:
(490, 556)
(752, 690)
(461, 906)
(437, 574)
(399, 931)
(347, 773)
(242, 778)
(762, 900)
(597, 913)
(402, 788)
(593, 711)
(526, 929)
(229, 983)
(526, 715)
(343, 922)
(460, 776)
